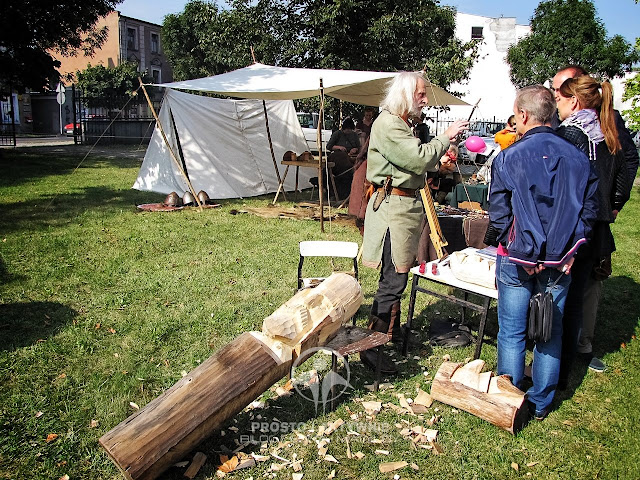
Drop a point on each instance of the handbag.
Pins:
(540, 321)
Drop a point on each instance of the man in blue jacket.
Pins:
(542, 206)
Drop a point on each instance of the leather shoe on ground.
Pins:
(597, 365)
(414, 340)
(369, 359)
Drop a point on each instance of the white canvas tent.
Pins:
(267, 82)
(224, 145)
(223, 142)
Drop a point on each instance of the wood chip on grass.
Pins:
(391, 466)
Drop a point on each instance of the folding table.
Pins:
(444, 276)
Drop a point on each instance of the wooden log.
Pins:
(170, 426)
(502, 405)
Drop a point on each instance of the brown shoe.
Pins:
(369, 359)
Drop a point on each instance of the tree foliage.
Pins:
(31, 28)
(567, 32)
(385, 35)
(107, 87)
(632, 92)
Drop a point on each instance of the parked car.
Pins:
(68, 128)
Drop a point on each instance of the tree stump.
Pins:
(492, 398)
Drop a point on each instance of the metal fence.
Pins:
(7, 119)
(120, 119)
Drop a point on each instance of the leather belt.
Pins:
(400, 192)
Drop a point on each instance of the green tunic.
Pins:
(394, 151)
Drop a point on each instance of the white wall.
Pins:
(618, 90)
(489, 77)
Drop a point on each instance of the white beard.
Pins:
(416, 110)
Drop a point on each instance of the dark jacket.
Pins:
(614, 189)
(542, 200)
(629, 149)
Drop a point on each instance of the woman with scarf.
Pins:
(585, 108)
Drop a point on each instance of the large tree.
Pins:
(351, 34)
(567, 32)
(109, 87)
(31, 28)
(385, 35)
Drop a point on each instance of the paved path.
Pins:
(62, 145)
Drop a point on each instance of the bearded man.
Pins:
(396, 167)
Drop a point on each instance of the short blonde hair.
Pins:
(399, 95)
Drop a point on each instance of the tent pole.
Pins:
(273, 155)
(173, 155)
(320, 152)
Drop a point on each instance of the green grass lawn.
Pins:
(102, 305)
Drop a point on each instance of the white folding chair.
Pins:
(330, 249)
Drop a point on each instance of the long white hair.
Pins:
(399, 96)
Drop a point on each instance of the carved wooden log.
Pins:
(493, 399)
(170, 426)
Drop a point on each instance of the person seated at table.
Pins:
(364, 126)
(420, 129)
(445, 178)
(344, 145)
(507, 136)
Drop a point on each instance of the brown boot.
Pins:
(394, 332)
(378, 324)
(369, 358)
(397, 332)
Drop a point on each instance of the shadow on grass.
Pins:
(24, 324)
(59, 210)
(445, 310)
(19, 168)
(614, 326)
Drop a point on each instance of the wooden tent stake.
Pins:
(273, 156)
(166, 141)
(320, 152)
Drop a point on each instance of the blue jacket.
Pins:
(542, 202)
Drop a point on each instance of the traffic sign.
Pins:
(61, 98)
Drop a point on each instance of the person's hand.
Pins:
(566, 268)
(534, 270)
(447, 166)
(615, 214)
(339, 147)
(353, 151)
(456, 128)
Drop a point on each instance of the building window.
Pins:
(155, 43)
(155, 74)
(476, 33)
(131, 39)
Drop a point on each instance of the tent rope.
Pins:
(133, 94)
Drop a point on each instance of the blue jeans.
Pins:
(515, 288)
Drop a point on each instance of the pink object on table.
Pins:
(475, 144)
